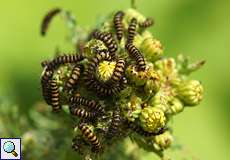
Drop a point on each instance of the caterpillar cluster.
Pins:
(106, 84)
(86, 109)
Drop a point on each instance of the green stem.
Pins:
(133, 4)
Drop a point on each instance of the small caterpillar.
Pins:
(75, 75)
(86, 102)
(45, 63)
(136, 54)
(140, 131)
(45, 81)
(115, 124)
(108, 40)
(91, 137)
(63, 59)
(118, 70)
(47, 19)
(80, 112)
(132, 30)
(119, 27)
(147, 23)
(102, 89)
(55, 96)
(102, 55)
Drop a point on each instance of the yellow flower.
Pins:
(105, 70)
(152, 119)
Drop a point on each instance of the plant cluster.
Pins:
(118, 84)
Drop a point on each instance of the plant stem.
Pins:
(133, 4)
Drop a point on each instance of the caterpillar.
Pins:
(108, 40)
(119, 27)
(80, 112)
(136, 54)
(72, 80)
(45, 63)
(86, 102)
(118, 70)
(63, 59)
(132, 30)
(45, 83)
(147, 23)
(47, 19)
(55, 96)
(140, 131)
(100, 56)
(115, 124)
(102, 89)
(91, 137)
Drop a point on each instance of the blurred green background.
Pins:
(200, 29)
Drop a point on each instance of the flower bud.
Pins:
(152, 49)
(163, 141)
(190, 92)
(138, 77)
(146, 34)
(133, 108)
(130, 13)
(175, 106)
(152, 119)
(153, 83)
(162, 98)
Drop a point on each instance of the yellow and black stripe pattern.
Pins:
(119, 27)
(55, 96)
(114, 130)
(64, 59)
(72, 80)
(147, 23)
(118, 70)
(108, 40)
(94, 62)
(81, 113)
(91, 137)
(132, 30)
(104, 89)
(47, 19)
(45, 83)
(136, 54)
(91, 104)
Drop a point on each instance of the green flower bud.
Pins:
(132, 109)
(92, 45)
(138, 77)
(105, 70)
(141, 77)
(146, 34)
(130, 13)
(162, 98)
(167, 66)
(168, 71)
(190, 92)
(152, 49)
(175, 106)
(138, 40)
(163, 141)
(152, 119)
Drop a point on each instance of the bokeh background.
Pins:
(200, 29)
